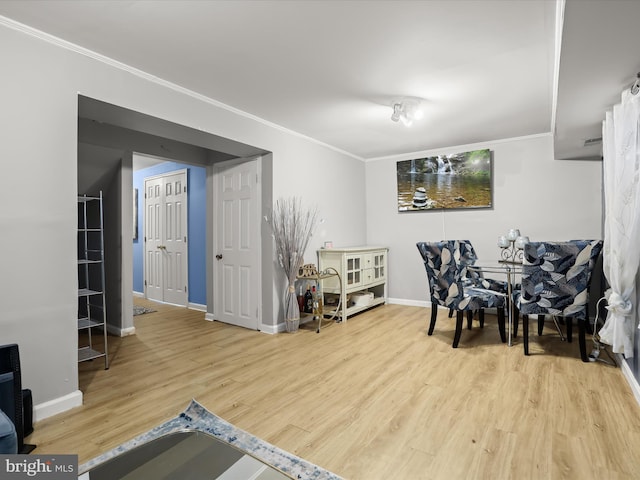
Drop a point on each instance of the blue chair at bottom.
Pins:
(447, 289)
(8, 435)
(555, 281)
(12, 396)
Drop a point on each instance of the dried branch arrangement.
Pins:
(292, 226)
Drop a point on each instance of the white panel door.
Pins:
(153, 239)
(237, 244)
(166, 238)
(174, 275)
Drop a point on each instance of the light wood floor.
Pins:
(375, 398)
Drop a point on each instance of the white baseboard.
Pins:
(138, 294)
(409, 303)
(121, 332)
(628, 374)
(272, 329)
(58, 405)
(125, 332)
(197, 306)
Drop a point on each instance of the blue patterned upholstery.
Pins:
(465, 255)
(442, 273)
(8, 435)
(555, 281)
(447, 287)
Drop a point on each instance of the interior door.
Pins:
(237, 243)
(153, 239)
(166, 248)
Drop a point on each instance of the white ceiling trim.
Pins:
(458, 148)
(159, 81)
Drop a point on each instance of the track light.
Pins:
(406, 111)
(635, 88)
(397, 112)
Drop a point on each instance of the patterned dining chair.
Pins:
(446, 288)
(465, 256)
(595, 266)
(555, 281)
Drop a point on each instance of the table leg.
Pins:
(509, 306)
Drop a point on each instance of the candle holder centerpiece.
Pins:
(511, 246)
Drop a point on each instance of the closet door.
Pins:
(166, 248)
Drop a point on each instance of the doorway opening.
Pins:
(107, 137)
(169, 238)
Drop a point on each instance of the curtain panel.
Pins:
(621, 252)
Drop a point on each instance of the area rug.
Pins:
(196, 417)
(140, 310)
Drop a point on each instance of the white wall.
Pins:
(38, 289)
(546, 199)
(39, 86)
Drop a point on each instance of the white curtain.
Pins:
(621, 255)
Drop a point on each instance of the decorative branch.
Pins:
(292, 227)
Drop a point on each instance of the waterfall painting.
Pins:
(461, 180)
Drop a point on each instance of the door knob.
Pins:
(161, 247)
(219, 257)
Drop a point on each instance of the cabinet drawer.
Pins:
(371, 275)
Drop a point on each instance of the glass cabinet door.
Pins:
(378, 266)
(354, 271)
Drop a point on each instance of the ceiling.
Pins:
(328, 70)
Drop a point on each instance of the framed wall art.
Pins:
(457, 181)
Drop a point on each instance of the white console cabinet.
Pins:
(363, 278)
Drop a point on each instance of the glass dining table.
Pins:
(510, 270)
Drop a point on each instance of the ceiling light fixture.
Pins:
(635, 88)
(406, 110)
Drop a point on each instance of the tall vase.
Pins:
(291, 310)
